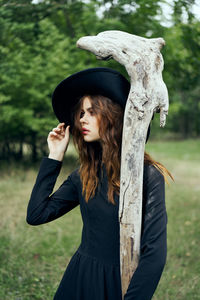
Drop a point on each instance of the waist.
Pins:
(104, 256)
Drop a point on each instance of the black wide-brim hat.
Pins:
(94, 81)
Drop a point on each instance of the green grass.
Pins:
(33, 259)
(181, 276)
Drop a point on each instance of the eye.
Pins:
(81, 114)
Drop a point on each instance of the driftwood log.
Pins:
(148, 94)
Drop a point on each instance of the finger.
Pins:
(56, 129)
(59, 131)
(61, 125)
(67, 130)
(53, 134)
(62, 131)
(63, 128)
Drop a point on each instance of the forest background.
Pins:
(38, 50)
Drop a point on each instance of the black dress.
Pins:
(93, 272)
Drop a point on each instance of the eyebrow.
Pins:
(89, 108)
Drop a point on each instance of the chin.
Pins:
(86, 139)
(90, 140)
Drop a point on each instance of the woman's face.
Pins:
(89, 122)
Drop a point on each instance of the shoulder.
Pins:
(75, 177)
(151, 173)
(153, 192)
(153, 179)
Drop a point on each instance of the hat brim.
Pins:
(94, 81)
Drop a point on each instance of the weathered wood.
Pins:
(144, 64)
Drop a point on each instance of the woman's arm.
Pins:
(153, 240)
(42, 207)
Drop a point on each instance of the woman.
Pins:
(92, 103)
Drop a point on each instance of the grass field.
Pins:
(33, 259)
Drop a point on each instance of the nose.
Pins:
(83, 119)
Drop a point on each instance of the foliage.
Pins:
(38, 50)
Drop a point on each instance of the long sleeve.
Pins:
(153, 238)
(44, 207)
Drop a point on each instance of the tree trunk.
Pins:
(34, 147)
(144, 64)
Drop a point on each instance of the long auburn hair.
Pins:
(92, 155)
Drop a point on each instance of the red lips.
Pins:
(85, 131)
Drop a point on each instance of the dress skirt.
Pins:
(88, 278)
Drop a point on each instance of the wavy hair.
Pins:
(92, 155)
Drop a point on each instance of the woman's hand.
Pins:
(58, 140)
